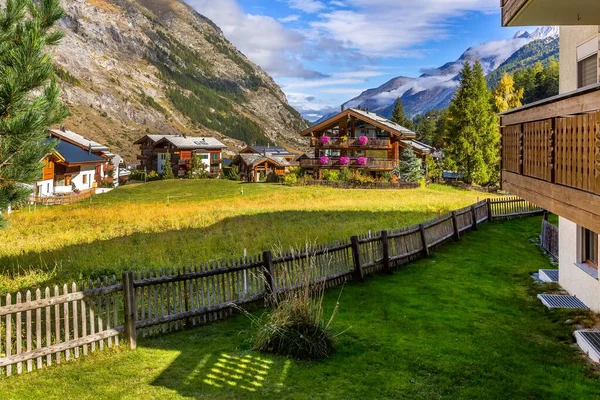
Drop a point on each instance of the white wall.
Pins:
(89, 171)
(572, 278)
(570, 38)
(45, 188)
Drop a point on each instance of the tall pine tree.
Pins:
(472, 134)
(410, 168)
(29, 98)
(399, 117)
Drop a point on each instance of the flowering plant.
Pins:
(325, 139)
(344, 160)
(363, 140)
(324, 160)
(362, 161)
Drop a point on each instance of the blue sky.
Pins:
(324, 52)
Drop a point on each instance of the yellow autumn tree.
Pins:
(506, 97)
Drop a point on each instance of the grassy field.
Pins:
(170, 223)
(462, 324)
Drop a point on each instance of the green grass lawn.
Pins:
(462, 324)
(181, 222)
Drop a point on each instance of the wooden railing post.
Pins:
(424, 240)
(455, 226)
(474, 218)
(489, 209)
(130, 310)
(387, 266)
(270, 295)
(358, 272)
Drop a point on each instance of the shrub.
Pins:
(296, 327)
(331, 175)
(153, 176)
(386, 177)
(345, 174)
(232, 173)
(272, 177)
(290, 179)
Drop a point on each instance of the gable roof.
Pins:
(253, 159)
(154, 138)
(419, 146)
(184, 142)
(273, 150)
(78, 140)
(73, 154)
(372, 118)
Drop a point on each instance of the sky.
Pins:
(325, 52)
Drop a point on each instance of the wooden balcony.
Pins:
(551, 155)
(339, 143)
(378, 164)
(215, 161)
(549, 12)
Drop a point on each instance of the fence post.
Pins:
(385, 252)
(474, 218)
(358, 272)
(455, 225)
(489, 209)
(270, 296)
(424, 240)
(130, 310)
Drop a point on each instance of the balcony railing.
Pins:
(214, 161)
(551, 154)
(350, 142)
(334, 162)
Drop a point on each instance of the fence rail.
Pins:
(38, 330)
(65, 199)
(549, 238)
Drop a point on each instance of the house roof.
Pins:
(274, 150)
(78, 140)
(419, 146)
(372, 118)
(253, 159)
(73, 154)
(185, 142)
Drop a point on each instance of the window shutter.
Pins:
(588, 71)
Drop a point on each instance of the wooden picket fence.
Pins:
(40, 329)
(549, 238)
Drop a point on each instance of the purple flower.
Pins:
(325, 139)
(324, 160)
(344, 160)
(362, 161)
(363, 140)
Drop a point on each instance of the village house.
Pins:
(360, 140)
(155, 150)
(269, 150)
(256, 167)
(551, 149)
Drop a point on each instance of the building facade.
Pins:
(158, 152)
(551, 149)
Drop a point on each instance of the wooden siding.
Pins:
(512, 150)
(537, 145)
(48, 170)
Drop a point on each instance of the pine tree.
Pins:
(399, 117)
(410, 169)
(471, 129)
(506, 96)
(168, 168)
(29, 97)
(198, 169)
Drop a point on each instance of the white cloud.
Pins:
(322, 83)
(308, 6)
(289, 18)
(337, 3)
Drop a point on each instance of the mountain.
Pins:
(435, 87)
(128, 67)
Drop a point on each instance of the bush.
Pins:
(331, 175)
(290, 179)
(272, 178)
(232, 173)
(345, 174)
(153, 176)
(296, 326)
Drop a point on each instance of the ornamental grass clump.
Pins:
(296, 327)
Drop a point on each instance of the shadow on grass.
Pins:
(225, 239)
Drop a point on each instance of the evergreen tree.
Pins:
(538, 81)
(506, 97)
(409, 169)
(399, 117)
(29, 97)
(426, 126)
(434, 169)
(168, 168)
(198, 168)
(471, 130)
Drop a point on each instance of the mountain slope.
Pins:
(435, 88)
(128, 67)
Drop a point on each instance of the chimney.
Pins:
(63, 128)
(89, 147)
(343, 107)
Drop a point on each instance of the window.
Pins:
(589, 250)
(587, 71)
(204, 156)
(84, 179)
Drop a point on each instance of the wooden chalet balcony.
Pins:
(549, 12)
(143, 157)
(551, 155)
(339, 143)
(334, 162)
(214, 161)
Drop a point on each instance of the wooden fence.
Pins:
(549, 238)
(39, 329)
(62, 200)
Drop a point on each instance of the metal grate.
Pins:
(561, 301)
(549, 275)
(589, 341)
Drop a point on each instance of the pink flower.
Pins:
(325, 139)
(344, 160)
(362, 161)
(363, 140)
(324, 160)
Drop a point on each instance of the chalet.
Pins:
(180, 149)
(269, 150)
(257, 167)
(551, 148)
(359, 139)
(69, 168)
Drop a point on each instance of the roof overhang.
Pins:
(550, 12)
